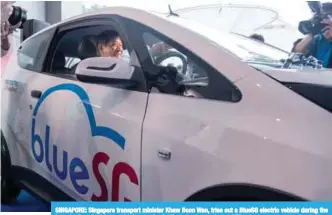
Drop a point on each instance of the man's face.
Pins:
(328, 34)
(327, 31)
(112, 49)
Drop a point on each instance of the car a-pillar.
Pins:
(242, 192)
(9, 190)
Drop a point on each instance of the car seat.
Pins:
(86, 49)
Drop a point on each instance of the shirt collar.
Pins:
(322, 38)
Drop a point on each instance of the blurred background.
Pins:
(276, 20)
(271, 18)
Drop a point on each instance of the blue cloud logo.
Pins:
(95, 129)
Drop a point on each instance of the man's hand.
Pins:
(327, 22)
(7, 29)
(159, 49)
(327, 32)
(4, 30)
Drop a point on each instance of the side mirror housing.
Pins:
(105, 70)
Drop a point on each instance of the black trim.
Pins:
(319, 94)
(220, 88)
(102, 68)
(41, 57)
(242, 192)
(38, 186)
(36, 94)
(114, 82)
(91, 21)
(4, 148)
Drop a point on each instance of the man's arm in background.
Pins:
(5, 45)
(304, 44)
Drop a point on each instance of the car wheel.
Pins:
(9, 190)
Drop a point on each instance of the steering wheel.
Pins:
(170, 54)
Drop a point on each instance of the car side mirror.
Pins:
(106, 70)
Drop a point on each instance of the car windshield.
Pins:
(244, 48)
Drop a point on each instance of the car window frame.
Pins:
(216, 78)
(41, 55)
(96, 20)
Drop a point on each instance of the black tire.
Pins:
(9, 190)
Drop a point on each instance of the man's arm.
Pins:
(5, 45)
(304, 44)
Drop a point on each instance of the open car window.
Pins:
(162, 54)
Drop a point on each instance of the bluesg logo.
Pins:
(74, 167)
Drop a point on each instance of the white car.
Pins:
(213, 118)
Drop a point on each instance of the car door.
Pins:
(93, 149)
(22, 82)
(183, 126)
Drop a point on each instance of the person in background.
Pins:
(318, 46)
(6, 31)
(257, 37)
(295, 44)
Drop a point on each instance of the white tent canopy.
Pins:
(277, 20)
(246, 20)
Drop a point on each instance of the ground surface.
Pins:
(26, 203)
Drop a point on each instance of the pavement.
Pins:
(26, 203)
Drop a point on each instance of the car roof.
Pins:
(216, 56)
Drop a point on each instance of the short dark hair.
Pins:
(257, 37)
(107, 36)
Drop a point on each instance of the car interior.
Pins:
(80, 44)
(74, 47)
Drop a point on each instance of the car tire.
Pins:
(9, 190)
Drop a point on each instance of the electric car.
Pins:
(214, 117)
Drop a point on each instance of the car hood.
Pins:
(304, 76)
(314, 85)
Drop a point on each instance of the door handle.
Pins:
(36, 94)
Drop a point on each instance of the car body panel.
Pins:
(256, 141)
(64, 113)
(272, 137)
(310, 76)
